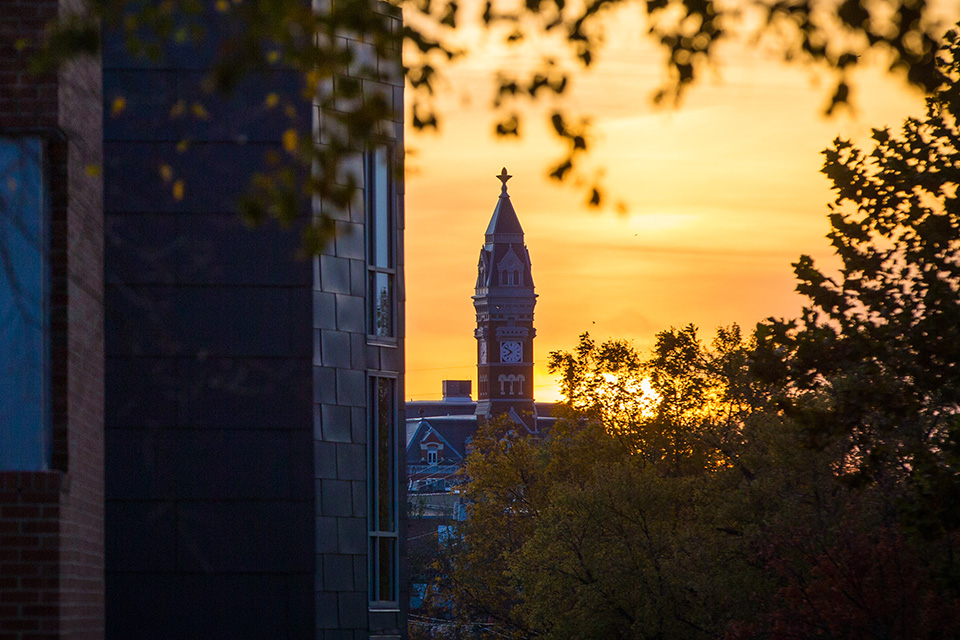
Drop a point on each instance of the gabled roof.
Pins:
(453, 431)
(432, 437)
(528, 421)
(510, 260)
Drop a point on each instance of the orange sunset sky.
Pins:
(723, 193)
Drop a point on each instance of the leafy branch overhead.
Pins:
(248, 36)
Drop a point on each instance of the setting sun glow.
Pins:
(722, 193)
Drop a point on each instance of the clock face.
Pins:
(483, 352)
(510, 352)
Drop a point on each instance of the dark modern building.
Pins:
(252, 398)
(199, 432)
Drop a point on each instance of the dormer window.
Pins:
(510, 270)
(431, 448)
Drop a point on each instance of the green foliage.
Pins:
(576, 535)
(605, 383)
(680, 409)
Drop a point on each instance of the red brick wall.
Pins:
(26, 101)
(30, 546)
(67, 560)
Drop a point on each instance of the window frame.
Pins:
(377, 534)
(379, 181)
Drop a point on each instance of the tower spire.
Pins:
(504, 223)
(504, 302)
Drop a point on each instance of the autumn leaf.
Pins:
(199, 111)
(290, 140)
(118, 105)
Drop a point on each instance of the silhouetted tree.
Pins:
(873, 361)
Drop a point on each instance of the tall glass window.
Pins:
(24, 296)
(383, 497)
(381, 252)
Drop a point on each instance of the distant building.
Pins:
(439, 433)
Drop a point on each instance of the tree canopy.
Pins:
(890, 315)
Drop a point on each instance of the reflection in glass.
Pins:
(380, 249)
(386, 568)
(381, 214)
(384, 441)
(382, 492)
(381, 304)
(24, 414)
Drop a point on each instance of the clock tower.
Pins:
(504, 302)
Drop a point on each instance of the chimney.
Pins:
(456, 390)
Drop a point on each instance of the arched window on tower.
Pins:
(503, 381)
(520, 380)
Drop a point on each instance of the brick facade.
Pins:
(51, 522)
(26, 101)
(30, 553)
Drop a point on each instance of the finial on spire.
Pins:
(504, 176)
